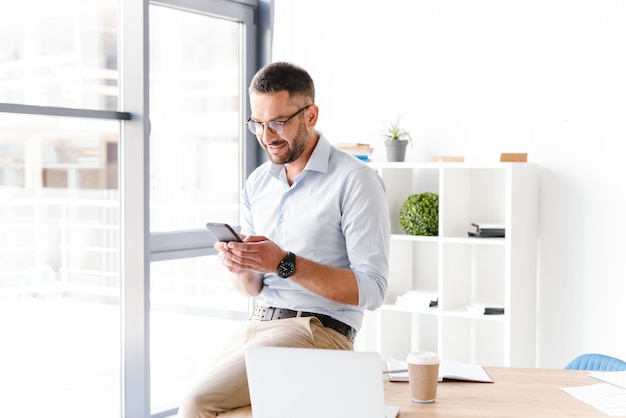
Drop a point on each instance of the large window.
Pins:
(111, 297)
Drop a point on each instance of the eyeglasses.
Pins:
(276, 126)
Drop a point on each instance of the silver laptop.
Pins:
(315, 383)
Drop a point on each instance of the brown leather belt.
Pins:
(269, 313)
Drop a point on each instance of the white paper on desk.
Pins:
(614, 378)
(604, 397)
(395, 364)
(452, 370)
(448, 370)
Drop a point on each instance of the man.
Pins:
(316, 240)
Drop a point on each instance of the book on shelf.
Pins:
(478, 309)
(449, 371)
(485, 230)
(357, 149)
(494, 157)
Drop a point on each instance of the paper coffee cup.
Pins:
(423, 376)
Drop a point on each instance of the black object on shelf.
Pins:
(487, 231)
(494, 311)
(478, 309)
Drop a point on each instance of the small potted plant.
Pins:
(396, 140)
(419, 214)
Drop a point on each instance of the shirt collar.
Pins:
(320, 156)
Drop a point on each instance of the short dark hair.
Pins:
(280, 76)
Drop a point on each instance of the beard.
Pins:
(294, 149)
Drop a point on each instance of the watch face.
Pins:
(286, 269)
(287, 266)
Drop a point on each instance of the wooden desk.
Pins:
(514, 393)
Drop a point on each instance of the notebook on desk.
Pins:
(316, 383)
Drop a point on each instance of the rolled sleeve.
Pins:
(367, 230)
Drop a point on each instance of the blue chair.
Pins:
(597, 362)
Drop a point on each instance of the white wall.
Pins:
(547, 77)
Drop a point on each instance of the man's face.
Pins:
(288, 146)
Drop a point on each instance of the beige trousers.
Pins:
(224, 386)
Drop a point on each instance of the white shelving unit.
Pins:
(461, 270)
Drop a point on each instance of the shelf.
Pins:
(462, 313)
(455, 240)
(442, 165)
(462, 270)
(411, 309)
(453, 313)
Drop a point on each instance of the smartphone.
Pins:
(223, 232)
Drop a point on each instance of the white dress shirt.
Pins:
(336, 214)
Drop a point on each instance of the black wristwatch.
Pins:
(287, 265)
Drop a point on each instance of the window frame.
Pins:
(138, 242)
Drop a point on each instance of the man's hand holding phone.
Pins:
(260, 256)
(223, 232)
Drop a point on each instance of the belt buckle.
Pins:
(260, 313)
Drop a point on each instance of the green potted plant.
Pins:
(396, 140)
(419, 214)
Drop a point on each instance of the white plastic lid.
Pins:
(422, 357)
